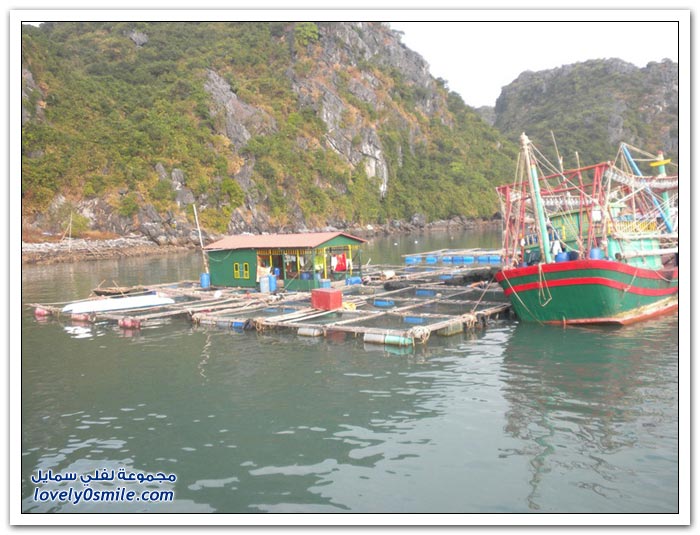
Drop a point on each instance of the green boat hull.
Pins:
(589, 291)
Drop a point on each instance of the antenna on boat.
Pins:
(556, 149)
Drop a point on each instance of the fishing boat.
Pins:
(590, 245)
(118, 290)
(92, 306)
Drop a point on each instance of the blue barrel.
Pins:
(494, 259)
(325, 283)
(421, 291)
(431, 259)
(273, 283)
(306, 276)
(484, 259)
(596, 253)
(573, 255)
(562, 257)
(446, 259)
(353, 280)
(265, 284)
(204, 280)
(413, 259)
(468, 259)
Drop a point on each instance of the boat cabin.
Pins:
(302, 261)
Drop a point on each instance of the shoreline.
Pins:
(82, 250)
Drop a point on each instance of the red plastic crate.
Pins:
(326, 298)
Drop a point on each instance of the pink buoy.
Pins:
(41, 312)
(129, 323)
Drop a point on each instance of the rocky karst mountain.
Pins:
(593, 106)
(291, 126)
(263, 126)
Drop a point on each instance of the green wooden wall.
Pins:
(228, 268)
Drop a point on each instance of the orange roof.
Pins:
(278, 241)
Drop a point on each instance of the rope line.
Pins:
(515, 293)
(540, 293)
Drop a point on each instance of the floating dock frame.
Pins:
(394, 306)
(400, 317)
(190, 299)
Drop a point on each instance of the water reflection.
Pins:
(587, 402)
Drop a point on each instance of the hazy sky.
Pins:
(478, 58)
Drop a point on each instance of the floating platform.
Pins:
(391, 305)
(181, 299)
(401, 317)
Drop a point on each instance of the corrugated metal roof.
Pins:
(278, 241)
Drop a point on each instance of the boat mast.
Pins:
(537, 200)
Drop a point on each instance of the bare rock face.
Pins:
(139, 38)
(31, 93)
(341, 89)
(183, 195)
(166, 229)
(353, 43)
(237, 120)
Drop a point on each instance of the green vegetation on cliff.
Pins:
(106, 103)
(592, 107)
(288, 125)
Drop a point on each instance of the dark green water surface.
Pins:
(514, 419)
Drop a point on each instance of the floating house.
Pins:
(300, 261)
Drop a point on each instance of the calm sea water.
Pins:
(514, 419)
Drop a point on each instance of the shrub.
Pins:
(305, 33)
(129, 206)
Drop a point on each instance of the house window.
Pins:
(236, 270)
(246, 270)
